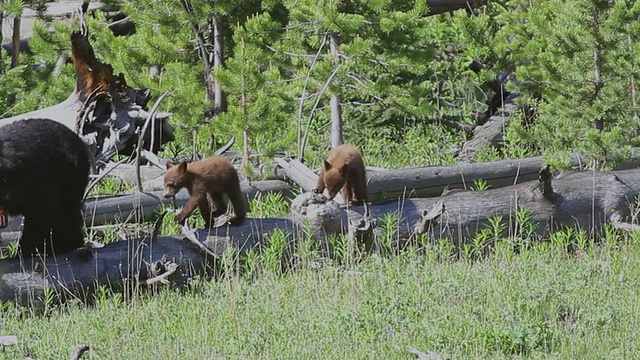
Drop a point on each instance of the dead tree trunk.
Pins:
(491, 133)
(598, 82)
(211, 55)
(15, 40)
(1, 38)
(140, 207)
(432, 181)
(219, 103)
(334, 100)
(103, 108)
(584, 199)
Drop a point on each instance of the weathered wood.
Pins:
(491, 132)
(582, 199)
(151, 175)
(103, 103)
(139, 207)
(387, 184)
(75, 275)
(302, 175)
(431, 181)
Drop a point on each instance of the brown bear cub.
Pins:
(206, 180)
(344, 171)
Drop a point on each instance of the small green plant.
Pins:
(174, 149)
(269, 205)
(479, 185)
(444, 250)
(229, 262)
(10, 250)
(109, 186)
(251, 262)
(342, 252)
(48, 299)
(524, 227)
(480, 241)
(306, 250)
(521, 340)
(497, 227)
(389, 224)
(562, 239)
(275, 250)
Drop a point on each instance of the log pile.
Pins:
(433, 203)
(582, 199)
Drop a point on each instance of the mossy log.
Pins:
(582, 199)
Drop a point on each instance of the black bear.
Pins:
(44, 172)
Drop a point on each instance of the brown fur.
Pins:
(344, 171)
(206, 180)
(4, 218)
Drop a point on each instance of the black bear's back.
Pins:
(43, 156)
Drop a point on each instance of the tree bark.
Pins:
(140, 207)
(432, 181)
(584, 199)
(219, 103)
(502, 108)
(334, 100)
(103, 108)
(441, 6)
(15, 40)
(205, 54)
(598, 82)
(1, 38)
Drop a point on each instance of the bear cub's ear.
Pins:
(182, 167)
(344, 168)
(169, 165)
(327, 165)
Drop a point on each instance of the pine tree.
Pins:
(576, 62)
(380, 60)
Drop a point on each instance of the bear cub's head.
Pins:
(175, 178)
(334, 178)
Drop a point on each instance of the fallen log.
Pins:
(140, 207)
(491, 132)
(432, 181)
(144, 206)
(135, 262)
(387, 184)
(583, 199)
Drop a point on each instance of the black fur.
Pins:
(44, 171)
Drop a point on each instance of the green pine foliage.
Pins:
(557, 47)
(397, 73)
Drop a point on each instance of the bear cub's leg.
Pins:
(189, 208)
(347, 193)
(204, 204)
(219, 206)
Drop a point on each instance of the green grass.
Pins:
(540, 303)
